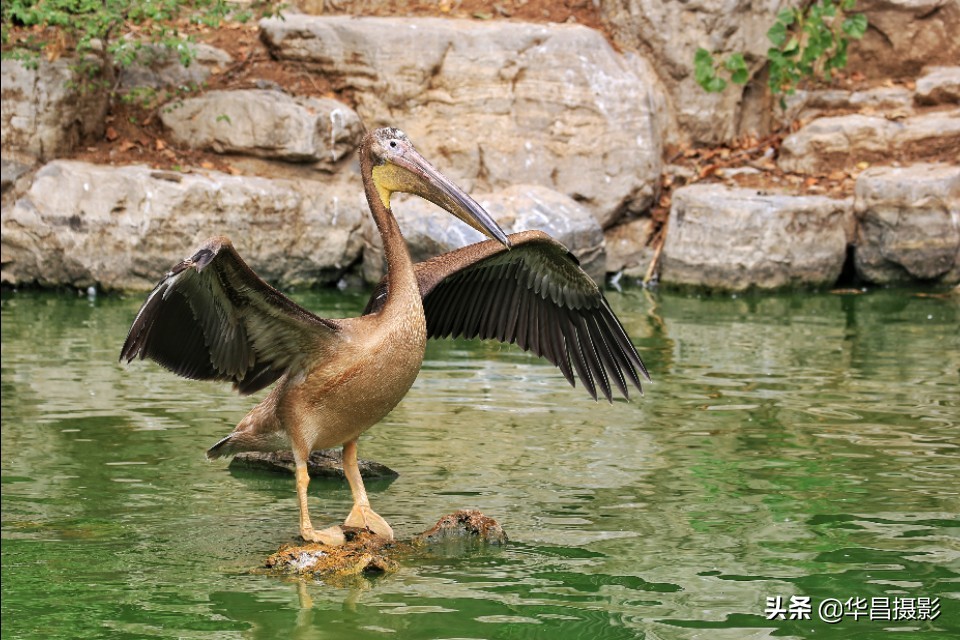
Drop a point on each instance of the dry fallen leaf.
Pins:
(111, 134)
(126, 145)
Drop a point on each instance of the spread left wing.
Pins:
(212, 318)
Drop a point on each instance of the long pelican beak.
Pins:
(409, 172)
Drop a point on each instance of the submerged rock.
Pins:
(326, 463)
(465, 524)
(367, 554)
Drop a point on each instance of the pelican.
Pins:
(212, 318)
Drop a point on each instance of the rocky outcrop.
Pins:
(909, 224)
(669, 34)
(430, 231)
(806, 105)
(737, 239)
(157, 66)
(47, 110)
(939, 85)
(501, 103)
(265, 123)
(828, 143)
(123, 227)
(906, 35)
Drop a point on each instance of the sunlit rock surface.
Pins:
(265, 123)
(123, 227)
(939, 85)
(909, 224)
(496, 104)
(669, 34)
(905, 36)
(735, 239)
(840, 141)
(46, 111)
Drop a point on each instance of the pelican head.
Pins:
(398, 166)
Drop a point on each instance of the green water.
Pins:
(802, 445)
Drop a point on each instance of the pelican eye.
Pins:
(393, 144)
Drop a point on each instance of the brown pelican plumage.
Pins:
(212, 318)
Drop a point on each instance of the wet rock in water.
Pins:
(327, 463)
(366, 554)
(465, 524)
(361, 555)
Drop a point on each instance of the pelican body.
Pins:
(212, 318)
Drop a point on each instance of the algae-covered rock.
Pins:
(466, 524)
(367, 554)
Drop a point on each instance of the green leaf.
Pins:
(786, 17)
(715, 85)
(855, 26)
(777, 33)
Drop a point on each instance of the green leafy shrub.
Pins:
(807, 42)
(94, 30)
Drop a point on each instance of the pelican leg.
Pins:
(361, 516)
(332, 536)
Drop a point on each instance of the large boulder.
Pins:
(430, 231)
(735, 239)
(123, 227)
(669, 34)
(500, 103)
(265, 123)
(909, 224)
(47, 109)
(906, 35)
(838, 142)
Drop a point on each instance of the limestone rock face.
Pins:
(159, 67)
(939, 85)
(628, 249)
(430, 231)
(44, 113)
(497, 104)
(669, 34)
(909, 224)
(124, 227)
(844, 140)
(906, 35)
(736, 239)
(265, 123)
